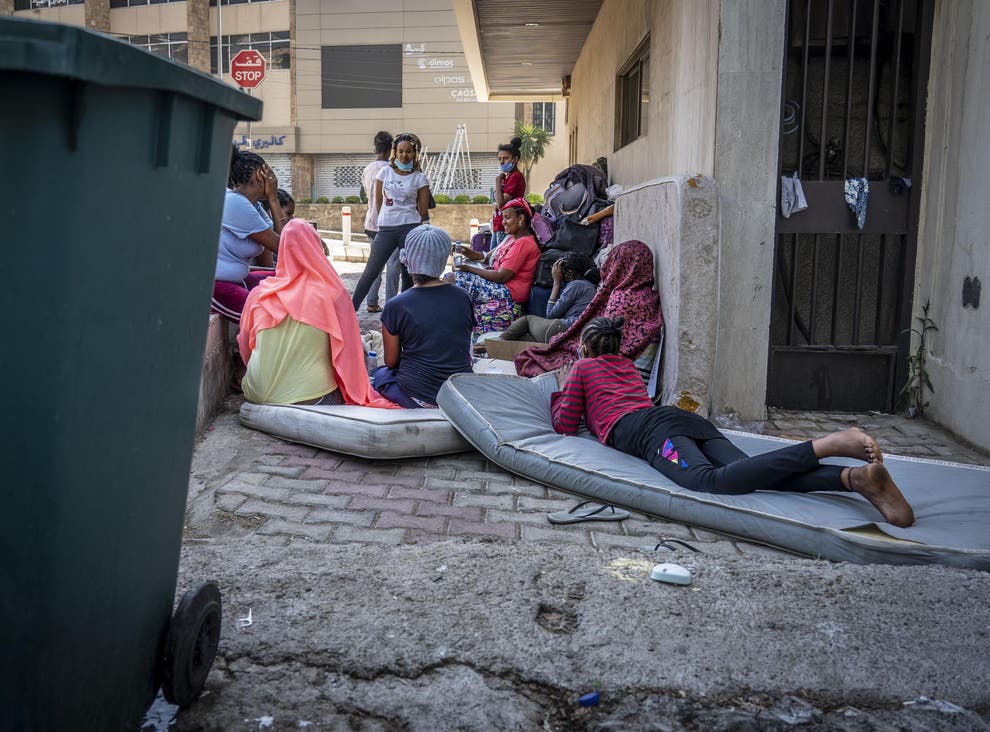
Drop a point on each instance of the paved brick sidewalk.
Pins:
(288, 491)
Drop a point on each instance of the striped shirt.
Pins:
(601, 391)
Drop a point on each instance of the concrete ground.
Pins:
(433, 594)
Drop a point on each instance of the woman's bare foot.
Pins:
(874, 483)
(852, 443)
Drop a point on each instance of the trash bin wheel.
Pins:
(191, 644)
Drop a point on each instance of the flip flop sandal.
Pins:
(588, 511)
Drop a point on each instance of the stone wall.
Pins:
(198, 28)
(955, 219)
(98, 15)
(456, 219)
(678, 218)
(6, 7)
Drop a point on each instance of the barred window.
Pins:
(274, 46)
(544, 115)
(172, 46)
(347, 176)
(632, 91)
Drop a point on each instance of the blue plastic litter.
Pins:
(589, 700)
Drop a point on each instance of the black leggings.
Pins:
(715, 465)
(388, 239)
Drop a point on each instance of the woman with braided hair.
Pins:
(247, 232)
(402, 197)
(604, 390)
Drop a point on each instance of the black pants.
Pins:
(388, 239)
(709, 463)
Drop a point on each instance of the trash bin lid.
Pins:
(77, 53)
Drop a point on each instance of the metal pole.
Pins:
(219, 40)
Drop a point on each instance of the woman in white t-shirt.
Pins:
(402, 195)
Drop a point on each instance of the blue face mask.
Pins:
(507, 167)
(404, 167)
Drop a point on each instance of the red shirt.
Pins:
(514, 186)
(522, 256)
(601, 391)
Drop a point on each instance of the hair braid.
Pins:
(242, 167)
(602, 336)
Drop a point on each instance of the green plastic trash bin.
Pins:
(113, 164)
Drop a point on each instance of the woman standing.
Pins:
(510, 183)
(498, 293)
(402, 195)
(383, 144)
(246, 232)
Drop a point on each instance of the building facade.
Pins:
(812, 310)
(337, 73)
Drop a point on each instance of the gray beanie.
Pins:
(426, 250)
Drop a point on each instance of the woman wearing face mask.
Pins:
(510, 183)
(402, 196)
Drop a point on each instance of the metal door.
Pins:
(855, 73)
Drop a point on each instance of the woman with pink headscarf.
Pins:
(299, 335)
(627, 292)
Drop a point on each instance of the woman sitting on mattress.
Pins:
(626, 291)
(299, 334)
(605, 390)
(426, 330)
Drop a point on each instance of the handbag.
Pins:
(573, 236)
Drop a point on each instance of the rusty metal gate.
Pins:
(854, 82)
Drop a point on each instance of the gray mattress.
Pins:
(507, 418)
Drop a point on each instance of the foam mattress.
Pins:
(507, 418)
(361, 431)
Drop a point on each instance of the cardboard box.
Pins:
(507, 350)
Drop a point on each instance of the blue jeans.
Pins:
(392, 271)
(389, 239)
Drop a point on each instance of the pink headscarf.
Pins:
(627, 291)
(306, 287)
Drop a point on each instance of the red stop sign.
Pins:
(248, 68)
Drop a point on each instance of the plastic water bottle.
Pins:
(371, 362)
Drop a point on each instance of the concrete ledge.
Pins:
(678, 218)
(214, 384)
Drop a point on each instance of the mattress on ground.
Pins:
(507, 418)
(362, 431)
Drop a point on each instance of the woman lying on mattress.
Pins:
(299, 334)
(605, 390)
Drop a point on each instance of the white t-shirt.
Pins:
(368, 181)
(399, 196)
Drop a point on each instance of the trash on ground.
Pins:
(673, 574)
(245, 622)
(590, 699)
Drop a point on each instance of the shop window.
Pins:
(34, 4)
(632, 103)
(544, 115)
(362, 77)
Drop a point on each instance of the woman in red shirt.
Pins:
(605, 391)
(499, 292)
(510, 183)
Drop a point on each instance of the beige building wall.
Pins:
(555, 159)
(68, 14)
(683, 65)
(955, 218)
(430, 107)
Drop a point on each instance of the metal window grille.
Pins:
(34, 4)
(544, 114)
(633, 104)
(172, 46)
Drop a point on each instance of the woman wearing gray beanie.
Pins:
(426, 330)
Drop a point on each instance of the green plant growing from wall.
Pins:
(535, 141)
(918, 380)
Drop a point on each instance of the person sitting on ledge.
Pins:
(579, 277)
(605, 390)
